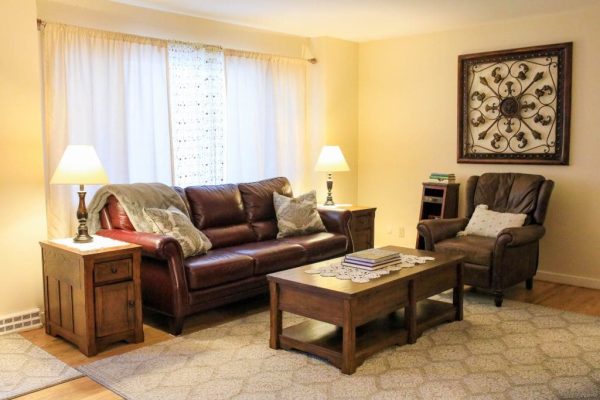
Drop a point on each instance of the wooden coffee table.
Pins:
(350, 321)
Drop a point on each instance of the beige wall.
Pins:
(407, 129)
(334, 117)
(22, 206)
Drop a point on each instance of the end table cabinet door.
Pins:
(115, 308)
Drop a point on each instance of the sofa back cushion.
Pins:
(218, 211)
(258, 204)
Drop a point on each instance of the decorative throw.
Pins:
(297, 215)
(134, 197)
(490, 223)
(172, 222)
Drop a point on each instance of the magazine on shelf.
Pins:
(373, 255)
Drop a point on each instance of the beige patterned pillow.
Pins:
(297, 215)
(489, 223)
(172, 222)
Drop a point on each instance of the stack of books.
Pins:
(372, 259)
(439, 177)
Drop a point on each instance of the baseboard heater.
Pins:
(22, 321)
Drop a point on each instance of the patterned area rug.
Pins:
(519, 351)
(25, 368)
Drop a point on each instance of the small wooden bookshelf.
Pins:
(438, 200)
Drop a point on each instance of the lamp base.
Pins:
(83, 237)
(329, 199)
(82, 231)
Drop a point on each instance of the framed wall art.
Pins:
(514, 106)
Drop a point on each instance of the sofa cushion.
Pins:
(218, 211)
(320, 246)
(172, 222)
(490, 223)
(297, 215)
(477, 249)
(272, 255)
(258, 204)
(217, 267)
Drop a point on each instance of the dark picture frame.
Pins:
(514, 106)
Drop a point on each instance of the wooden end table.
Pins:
(92, 296)
(350, 321)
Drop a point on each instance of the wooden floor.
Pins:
(570, 298)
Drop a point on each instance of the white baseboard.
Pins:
(572, 280)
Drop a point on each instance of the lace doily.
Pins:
(360, 275)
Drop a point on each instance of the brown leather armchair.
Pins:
(511, 257)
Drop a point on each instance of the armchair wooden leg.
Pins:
(529, 283)
(498, 298)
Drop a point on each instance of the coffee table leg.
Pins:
(458, 292)
(275, 316)
(349, 340)
(410, 313)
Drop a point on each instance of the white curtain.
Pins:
(266, 117)
(196, 97)
(108, 90)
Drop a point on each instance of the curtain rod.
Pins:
(41, 24)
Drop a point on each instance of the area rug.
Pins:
(519, 351)
(25, 368)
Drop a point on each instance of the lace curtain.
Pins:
(108, 90)
(197, 103)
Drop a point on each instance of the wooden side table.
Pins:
(362, 226)
(438, 200)
(92, 292)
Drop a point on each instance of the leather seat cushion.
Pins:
(216, 268)
(272, 255)
(320, 246)
(476, 249)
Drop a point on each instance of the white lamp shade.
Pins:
(331, 159)
(79, 165)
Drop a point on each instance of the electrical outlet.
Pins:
(401, 232)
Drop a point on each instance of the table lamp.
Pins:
(331, 160)
(80, 165)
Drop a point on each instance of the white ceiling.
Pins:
(361, 20)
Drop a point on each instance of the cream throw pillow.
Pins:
(172, 222)
(297, 215)
(490, 223)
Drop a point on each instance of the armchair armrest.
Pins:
(435, 230)
(513, 237)
(337, 221)
(154, 245)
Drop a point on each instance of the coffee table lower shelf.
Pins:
(326, 340)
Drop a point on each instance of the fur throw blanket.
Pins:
(134, 197)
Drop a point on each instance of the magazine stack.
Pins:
(372, 259)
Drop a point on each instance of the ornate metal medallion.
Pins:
(514, 105)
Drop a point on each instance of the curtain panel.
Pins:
(108, 90)
(266, 131)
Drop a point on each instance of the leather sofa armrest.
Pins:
(435, 230)
(514, 237)
(153, 245)
(337, 221)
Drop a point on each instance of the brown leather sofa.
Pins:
(511, 257)
(240, 222)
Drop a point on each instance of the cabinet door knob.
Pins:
(131, 303)
(113, 269)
